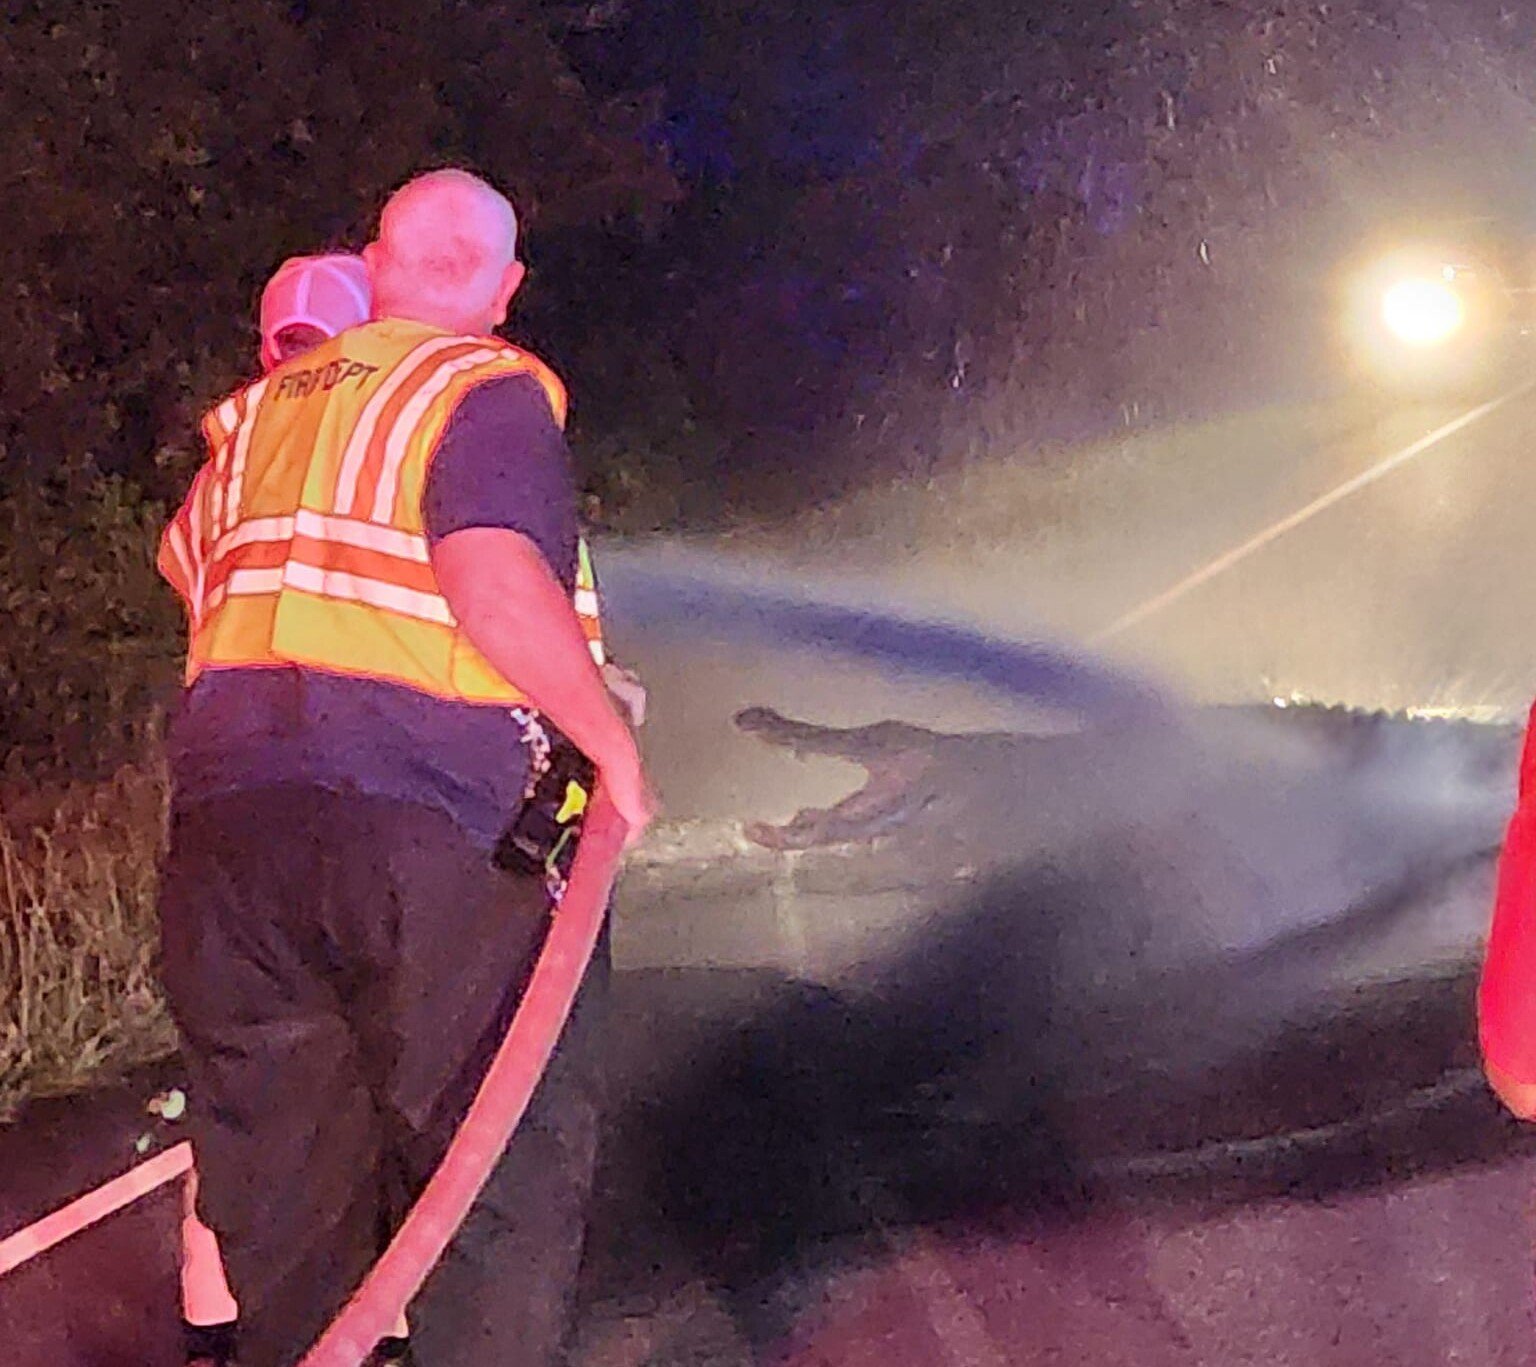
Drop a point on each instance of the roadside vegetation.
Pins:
(87, 659)
(77, 931)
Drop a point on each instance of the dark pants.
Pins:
(342, 969)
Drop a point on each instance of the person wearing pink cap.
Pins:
(308, 300)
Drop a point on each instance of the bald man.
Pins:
(378, 562)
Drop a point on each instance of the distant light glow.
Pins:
(1423, 312)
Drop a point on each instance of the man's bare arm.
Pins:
(516, 612)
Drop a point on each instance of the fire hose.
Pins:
(492, 1118)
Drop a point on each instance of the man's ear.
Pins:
(511, 279)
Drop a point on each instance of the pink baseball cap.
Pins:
(331, 293)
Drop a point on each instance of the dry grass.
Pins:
(78, 996)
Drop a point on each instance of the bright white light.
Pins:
(1423, 312)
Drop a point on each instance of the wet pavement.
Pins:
(1387, 1227)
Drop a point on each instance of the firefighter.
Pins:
(309, 300)
(378, 561)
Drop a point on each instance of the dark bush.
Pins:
(92, 641)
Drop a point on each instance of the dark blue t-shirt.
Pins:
(502, 462)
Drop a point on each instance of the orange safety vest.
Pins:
(301, 540)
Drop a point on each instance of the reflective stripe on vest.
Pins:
(587, 607)
(301, 540)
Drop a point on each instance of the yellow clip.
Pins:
(575, 803)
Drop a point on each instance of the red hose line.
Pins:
(498, 1106)
(84, 1211)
